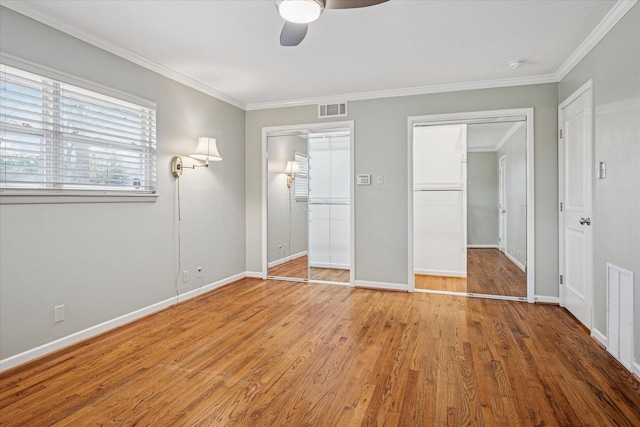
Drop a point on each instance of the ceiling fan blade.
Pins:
(292, 34)
(350, 4)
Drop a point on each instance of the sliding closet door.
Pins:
(440, 211)
(329, 207)
(286, 210)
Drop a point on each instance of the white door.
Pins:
(575, 151)
(502, 203)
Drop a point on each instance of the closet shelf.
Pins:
(330, 202)
(454, 186)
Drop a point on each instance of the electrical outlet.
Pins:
(58, 313)
(185, 276)
(199, 272)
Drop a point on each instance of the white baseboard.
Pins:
(287, 259)
(599, 336)
(254, 274)
(440, 273)
(382, 285)
(92, 331)
(547, 300)
(483, 247)
(329, 265)
(516, 262)
(602, 339)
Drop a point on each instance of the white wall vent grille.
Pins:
(332, 110)
(620, 301)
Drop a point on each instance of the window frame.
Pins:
(78, 195)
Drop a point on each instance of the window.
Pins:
(57, 137)
(301, 183)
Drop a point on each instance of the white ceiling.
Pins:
(231, 48)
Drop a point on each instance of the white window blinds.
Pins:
(58, 136)
(301, 183)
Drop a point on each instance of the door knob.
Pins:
(584, 221)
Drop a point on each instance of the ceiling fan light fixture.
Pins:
(300, 11)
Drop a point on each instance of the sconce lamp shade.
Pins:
(292, 168)
(206, 150)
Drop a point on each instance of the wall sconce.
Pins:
(206, 150)
(291, 170)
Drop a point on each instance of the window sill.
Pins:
(24, 197)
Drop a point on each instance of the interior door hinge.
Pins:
(560, 206)
(561, 279)
(560, 133)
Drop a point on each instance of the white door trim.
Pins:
(314, 127)
(465, 117)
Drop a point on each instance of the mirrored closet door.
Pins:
(470, 206)
(309, 206)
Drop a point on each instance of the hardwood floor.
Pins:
(489, 272)
(441, 283)
(297, 268)
(266, 353)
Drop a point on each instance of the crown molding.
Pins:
(19, 7)
(608, 22)
(411, 91)
(508, 135)
(498, 145)
(480, 150)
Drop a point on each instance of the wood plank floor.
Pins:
(489, 272)
(266, 353)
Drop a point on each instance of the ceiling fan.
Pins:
(299, 13)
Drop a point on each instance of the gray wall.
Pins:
(482, 199)
(289, 231)
(105, 260)
(614, 66)
(381, 148)
(108, 259)
(515, 148)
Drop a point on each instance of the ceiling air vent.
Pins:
(332, 110)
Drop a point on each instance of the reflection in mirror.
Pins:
(286, 211)
(308, 222)
(329, 207)
(495, 194)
